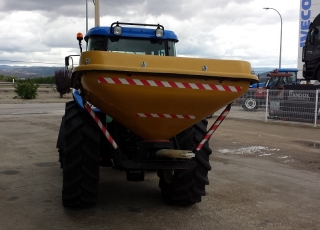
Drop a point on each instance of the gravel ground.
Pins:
(264, 176)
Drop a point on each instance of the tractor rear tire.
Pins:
(186, 187)
(80, 158)
(318, 76)
(60, 142)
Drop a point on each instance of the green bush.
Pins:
(26, 89)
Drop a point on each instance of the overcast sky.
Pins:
(44, 31)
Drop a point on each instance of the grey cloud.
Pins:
(196, 23)
(36, 5)
(179, 9)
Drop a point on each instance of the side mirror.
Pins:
(66, 61)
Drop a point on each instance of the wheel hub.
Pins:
(250, 103)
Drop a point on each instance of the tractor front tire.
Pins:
(80, 158)
(186, 187)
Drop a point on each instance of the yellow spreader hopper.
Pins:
(158, 97)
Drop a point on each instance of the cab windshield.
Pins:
(135, 46)
(313, 35)
(294, 76)
(276, 82)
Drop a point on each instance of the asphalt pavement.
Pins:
(264, 176)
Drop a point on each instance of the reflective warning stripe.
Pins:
(155, 115)
(214, 126)
(101, 126)
(167, 84)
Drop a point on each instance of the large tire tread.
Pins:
(81, 158)
(188, 186)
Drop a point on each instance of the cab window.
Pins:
(97, 43)
(155, 47)
(137, 46)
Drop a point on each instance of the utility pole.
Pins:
(96, 12)
(86, 15)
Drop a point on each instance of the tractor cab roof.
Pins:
(279, 75)
(131, 32)
(288, 70)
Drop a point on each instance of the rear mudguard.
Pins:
(78, 99)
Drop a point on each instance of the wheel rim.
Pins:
(250, 103)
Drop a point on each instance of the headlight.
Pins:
(117, 30)
(159, 32)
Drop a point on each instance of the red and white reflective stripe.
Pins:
(155, 115)
(168, 84)
(102, 127)
(214, 126)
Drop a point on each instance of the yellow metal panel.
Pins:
(158, 97)
(124, 102)
(103, 60)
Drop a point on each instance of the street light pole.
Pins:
(86, 15)
(267, 8)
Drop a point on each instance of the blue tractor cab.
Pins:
(146, 41)
(292, 71)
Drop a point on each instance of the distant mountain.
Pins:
(260, 70)
(28, 71)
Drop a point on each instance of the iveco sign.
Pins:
(309, 9)
(304, 20)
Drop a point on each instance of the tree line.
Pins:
(36, 80)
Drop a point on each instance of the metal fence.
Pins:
(11, 84)
(301, 106)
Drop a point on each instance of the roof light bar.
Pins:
(116, 29)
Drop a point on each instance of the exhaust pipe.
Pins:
(175, 153)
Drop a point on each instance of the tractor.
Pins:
(137, 106)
